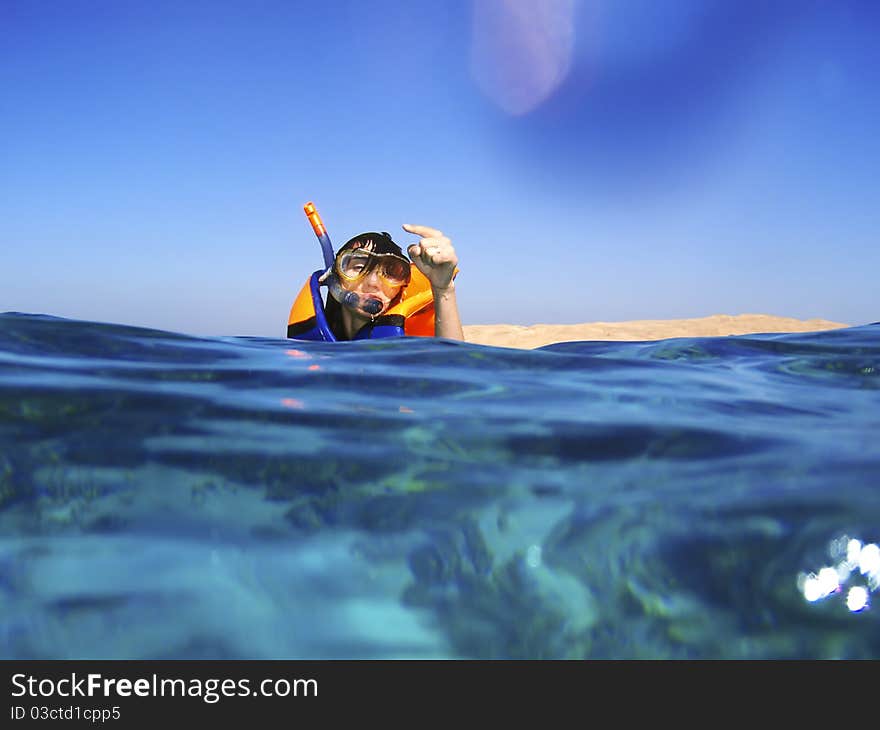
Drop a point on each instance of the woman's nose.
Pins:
(373, 277)
(371, 282)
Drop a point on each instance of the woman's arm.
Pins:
(435, 257)
(447, 322)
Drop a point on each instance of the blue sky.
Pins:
(592, 160)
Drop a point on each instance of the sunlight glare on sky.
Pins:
(521, 50)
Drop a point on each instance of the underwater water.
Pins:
(169, 496)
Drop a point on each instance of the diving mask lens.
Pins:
(354, 265)
(394, 269)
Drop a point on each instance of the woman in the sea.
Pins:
(371, 271)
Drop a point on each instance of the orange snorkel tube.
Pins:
(321, 232)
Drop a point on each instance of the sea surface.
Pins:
(171, 496)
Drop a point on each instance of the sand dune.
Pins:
(718, 325)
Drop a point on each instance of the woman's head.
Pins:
(372, 271)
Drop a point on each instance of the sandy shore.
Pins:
(718, 325)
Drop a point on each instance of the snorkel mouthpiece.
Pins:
(371, 306)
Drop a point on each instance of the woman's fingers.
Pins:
(434, 250)
(423, 231)
(430, 238)
(433, 254)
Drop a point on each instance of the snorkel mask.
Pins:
(359, 257)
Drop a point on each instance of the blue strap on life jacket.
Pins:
(380, 330)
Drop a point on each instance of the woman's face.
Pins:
(373, 287)
(375, 279)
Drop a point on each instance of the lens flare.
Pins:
(812, 589)
(853, 550)
(856, 563)
(857, 599)
(869, 560)
(521, 50)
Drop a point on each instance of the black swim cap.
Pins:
(373, 241)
